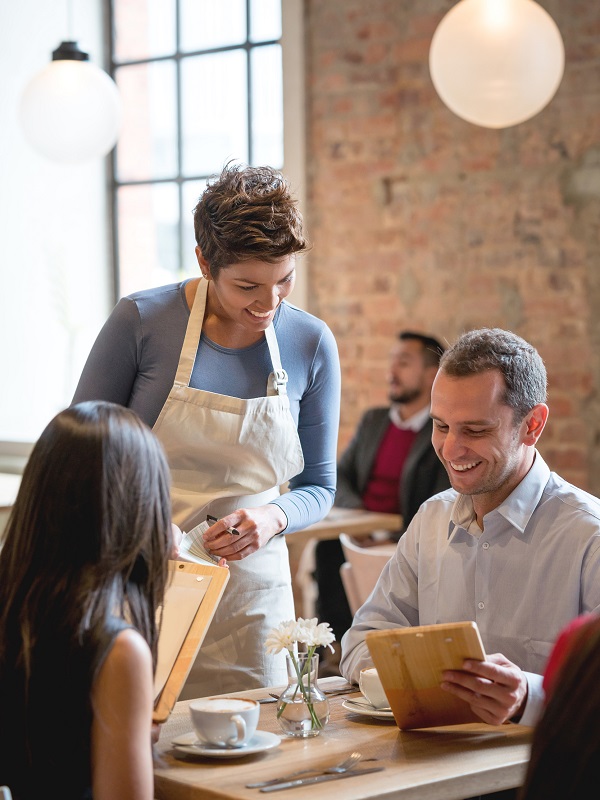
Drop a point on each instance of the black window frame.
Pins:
(178, 178)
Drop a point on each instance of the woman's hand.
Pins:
(177, 536)
(155, 733)
(254, 526)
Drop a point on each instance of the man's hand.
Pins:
(496, 689)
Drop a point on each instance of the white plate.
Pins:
(362, 707)
(189, 744)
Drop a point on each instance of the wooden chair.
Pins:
(362, 568)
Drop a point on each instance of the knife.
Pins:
(319, 779)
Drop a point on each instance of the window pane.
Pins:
(267, 106)
(143, 29)
(191, 194)
(148, 236)
(214, 111)
(211, 23)
(265, 20)
(147, 146)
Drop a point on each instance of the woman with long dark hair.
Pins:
(83, 571)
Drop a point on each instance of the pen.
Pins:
(212, 521)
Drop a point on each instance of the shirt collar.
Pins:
(518, 507)
(414, 423)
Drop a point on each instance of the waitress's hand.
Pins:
(255, 526)
(177, 536)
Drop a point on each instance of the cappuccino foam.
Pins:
(227, 704)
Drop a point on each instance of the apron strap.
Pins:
(276, 383)
(277, 380)
(192, 336)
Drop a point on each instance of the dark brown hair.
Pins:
(246, 213)
(89, 533)
(432, 348)
(84, 556)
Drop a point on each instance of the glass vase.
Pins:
(302, 708)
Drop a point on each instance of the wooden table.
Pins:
(431, 764)
(353, 521)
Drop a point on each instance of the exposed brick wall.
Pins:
(419, 219)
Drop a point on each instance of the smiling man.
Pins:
(511, 546)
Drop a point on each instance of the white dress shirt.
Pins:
(414, 423)
(533, 568)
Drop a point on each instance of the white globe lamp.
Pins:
(496, 63)
(71, 111)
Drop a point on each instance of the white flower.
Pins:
(282, 638)
(316, 634)
(287, 636)
(305, 631)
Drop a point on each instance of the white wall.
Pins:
(55, 272)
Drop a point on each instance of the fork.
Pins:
(343, 766)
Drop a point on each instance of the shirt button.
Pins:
(486, 545)
(480, 605)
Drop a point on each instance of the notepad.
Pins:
(192, 546)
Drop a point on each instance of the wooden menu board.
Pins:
(192, 597)
(410, 662)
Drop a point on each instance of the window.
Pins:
(202, 84)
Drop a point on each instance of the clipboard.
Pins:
(191, 599)
(410, 662)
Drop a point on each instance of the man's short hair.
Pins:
(518, 361)
(432, 349)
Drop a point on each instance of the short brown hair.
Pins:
(245, 213)
(518, 361)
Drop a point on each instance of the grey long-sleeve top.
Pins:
(134, 360)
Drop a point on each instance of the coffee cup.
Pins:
(224, 721)
(371, 688)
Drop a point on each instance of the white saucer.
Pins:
(189, 744)
(362, 707)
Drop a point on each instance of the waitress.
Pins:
(243, 390)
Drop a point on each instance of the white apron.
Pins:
(227, 453)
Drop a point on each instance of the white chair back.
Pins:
(362, 568)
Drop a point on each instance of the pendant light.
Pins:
(71, 111)
(496, 63)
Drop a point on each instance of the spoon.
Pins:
(366, 704)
